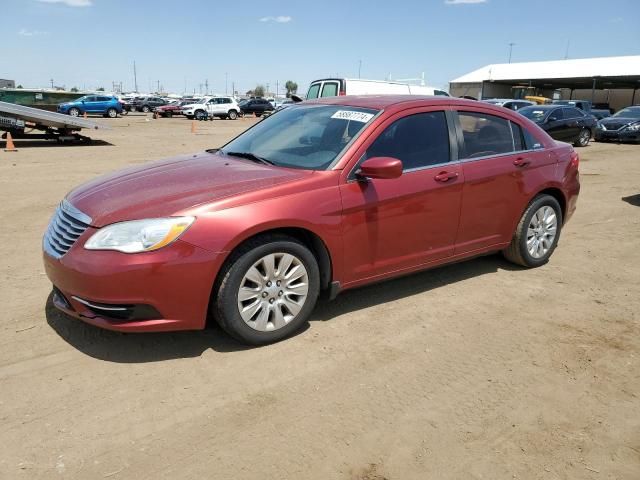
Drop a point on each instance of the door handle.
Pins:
(521, 162)
(445, 176)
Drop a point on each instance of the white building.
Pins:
(612, 80)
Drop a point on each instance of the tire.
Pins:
(525, 237)
(112, 113)
(168, 114)
(583, 138)
(268, 298)
(74, 112)
(200, 115)
(258, 115)
(146, 109)
(232, 115)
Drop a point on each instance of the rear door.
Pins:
(393, 225)
(499, 165)
(555, 125)
(575, 120)
(90, 104)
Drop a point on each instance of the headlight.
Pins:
(139, 235)
(634, 127)
(599, 126)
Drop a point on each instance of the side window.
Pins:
(329, 89)
(90, 99)
(484, 135)
(313, 91)
(419, 140)
(226, 100)
(556, 114)
(530, 142)
(518, 140)
(572, 113)
(103, 99)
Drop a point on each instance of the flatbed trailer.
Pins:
(22, 121)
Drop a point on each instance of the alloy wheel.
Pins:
(542, 231)
(273, 291)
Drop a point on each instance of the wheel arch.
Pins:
(556, 193)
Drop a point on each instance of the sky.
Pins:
(183, 44)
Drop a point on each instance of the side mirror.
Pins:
(551, 119)
(380, 167)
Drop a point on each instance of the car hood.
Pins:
(166, 187)
(619, 120)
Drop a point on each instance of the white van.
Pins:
(333, 87)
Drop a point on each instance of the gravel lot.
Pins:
(473, 371)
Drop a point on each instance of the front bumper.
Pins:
(165, 290)
(617, 135)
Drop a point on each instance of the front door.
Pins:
(393, 225)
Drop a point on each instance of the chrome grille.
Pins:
(66, 225)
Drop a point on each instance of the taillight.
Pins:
(342, 93)
(575, 159)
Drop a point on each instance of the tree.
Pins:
(19, 86)
(259, 91)
(74, 89)
(292, 87)
(100, 89)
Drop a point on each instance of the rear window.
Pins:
(485, 135)
(330, 89)
(313, 91)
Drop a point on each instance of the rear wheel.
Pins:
(74, 112)
(112, 113)
(537, 233)
(583, 138)
(200, 115)
(268, 290)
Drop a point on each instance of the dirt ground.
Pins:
(473, 371)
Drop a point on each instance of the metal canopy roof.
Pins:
(609, 72)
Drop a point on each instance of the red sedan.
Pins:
(325, 195)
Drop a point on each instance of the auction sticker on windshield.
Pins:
(352, 115)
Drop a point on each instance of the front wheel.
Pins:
(232, 115)
(583, 138)
(267, 290)
(74, 112)
(537, 233)
(146, 109)
(200, 115)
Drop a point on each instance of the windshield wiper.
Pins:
(250, 156)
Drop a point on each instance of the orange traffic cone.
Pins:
(193, 126)
(85, 115)
(10, 147)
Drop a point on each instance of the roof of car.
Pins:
(384, 101)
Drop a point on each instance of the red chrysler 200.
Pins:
(322, 196)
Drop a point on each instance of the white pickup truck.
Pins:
(210, 107)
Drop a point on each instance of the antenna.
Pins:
(511, 44)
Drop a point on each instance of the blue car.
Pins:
(101, 104)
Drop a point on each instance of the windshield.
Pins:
(532, 113)
(309, 137)
(628, 113)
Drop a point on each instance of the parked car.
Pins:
(173, 108)
(584, 105)
(108, 106)
(623, 126)
(331, 87)
(147, 104)
(256, 106)
(510, 103)
(567, 124)
(220, 107)
(326, 195)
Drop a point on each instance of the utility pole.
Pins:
(206, 86)
(51, 83)
(233, 88)
(277, 87)
(158, 91)
(267, 92)
(511, 44)
(226, 83)
(359, 67)
(135, 77)
(566, 52)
